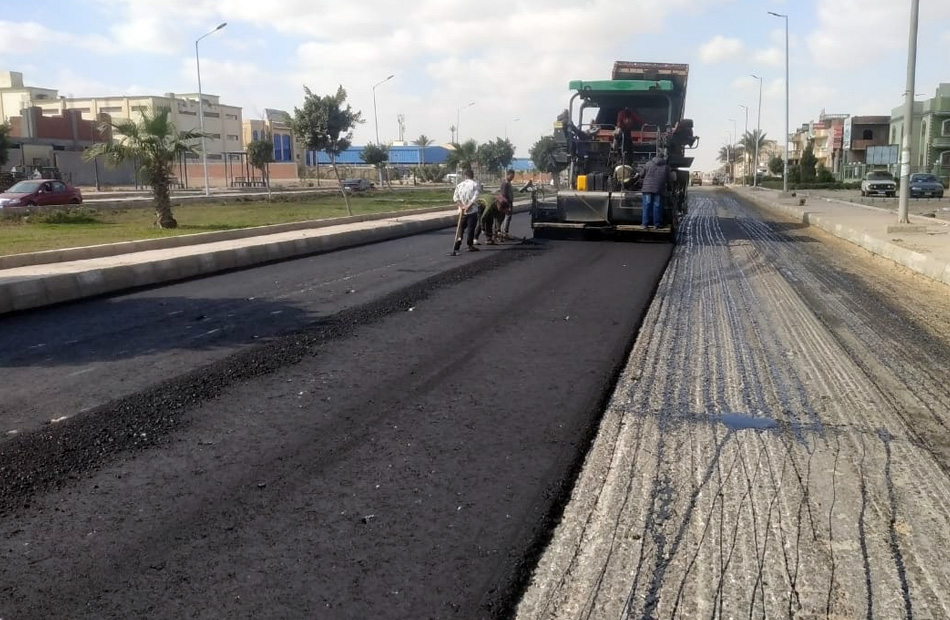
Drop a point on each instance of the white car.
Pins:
(879, 183)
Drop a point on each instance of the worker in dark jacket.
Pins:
(656, 175)
(506, 196)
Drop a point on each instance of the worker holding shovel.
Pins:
(466, 199)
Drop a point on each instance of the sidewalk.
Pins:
(45, 278)
(923, 246)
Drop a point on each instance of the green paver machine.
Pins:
(605, 137)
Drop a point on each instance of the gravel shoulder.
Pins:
(777, 445)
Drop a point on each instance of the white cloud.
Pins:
(23, 38)
(771, 57)
(720, 48)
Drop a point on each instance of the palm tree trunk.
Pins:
(346, 199)
(163, 203)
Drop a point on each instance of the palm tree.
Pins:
(155, 144)
(462, 156)
(749, 140)
(422, 142)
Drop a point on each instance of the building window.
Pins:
(945, 130)
(231, 117)
(212, 115)
(214, 136)
(233, 137)
(111, 108)
(894, 135)
(254, 135)
(945, 158)
(867, 135)
(140, 108)
(285, 140)
(187, 113)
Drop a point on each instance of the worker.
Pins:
(627, 121)
(656, 175)
(466, 199)
(506, 200)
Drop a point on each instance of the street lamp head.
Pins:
(391, 76)
(755, 76)
(221, 25)
(777, 14)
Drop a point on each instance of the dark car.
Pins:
(925, 186)
(40, 193)
(357, 185)
(879, 182)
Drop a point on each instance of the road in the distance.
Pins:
(401, 458)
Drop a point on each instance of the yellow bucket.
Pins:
(582, 183)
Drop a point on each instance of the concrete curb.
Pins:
(27, 292)
(932, 268)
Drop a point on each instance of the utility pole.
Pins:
(376, 122)
(903, 203)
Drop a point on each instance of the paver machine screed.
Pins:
(610, 130)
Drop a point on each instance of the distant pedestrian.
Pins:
(506, 202)
(656, 175)
(466, 199)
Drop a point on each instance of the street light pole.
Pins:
(514, 120)
(376, 121)
(458, 114)
(758, 136)
(785, 173)
(201, 115)
(745, 156)
(903, 204)
(732, 164)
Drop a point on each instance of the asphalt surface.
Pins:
(382, 432)
(778, 445)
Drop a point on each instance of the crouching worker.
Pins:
(491, 221)
(466, 199)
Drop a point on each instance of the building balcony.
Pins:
(941, 142)
(862, 145)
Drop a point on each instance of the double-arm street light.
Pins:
(376, 120)
(785, 173)
(903, 203)
(758, 136)
(201, 116)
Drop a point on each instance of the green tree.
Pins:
(4, 143)
(375, 155)
(808, 163)
(326, 124)
(777, 165)
(154, 144)
(824, 175)
(496, 155)
(260, 153)
(543, 154)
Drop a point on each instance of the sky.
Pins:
(512, 58)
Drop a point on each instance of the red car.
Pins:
(40, 193)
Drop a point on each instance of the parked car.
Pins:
(925, 186)
(879, 182)
(40, 193)
(357, 185)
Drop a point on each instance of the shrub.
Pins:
(78, 215)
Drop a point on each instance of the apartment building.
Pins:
(930, 132)
(222, 123)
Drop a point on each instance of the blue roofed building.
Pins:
(399, 156)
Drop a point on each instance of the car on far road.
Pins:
(696, 178)
(40, 193)
(879, 182)
(925, 186)
(357, 185)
